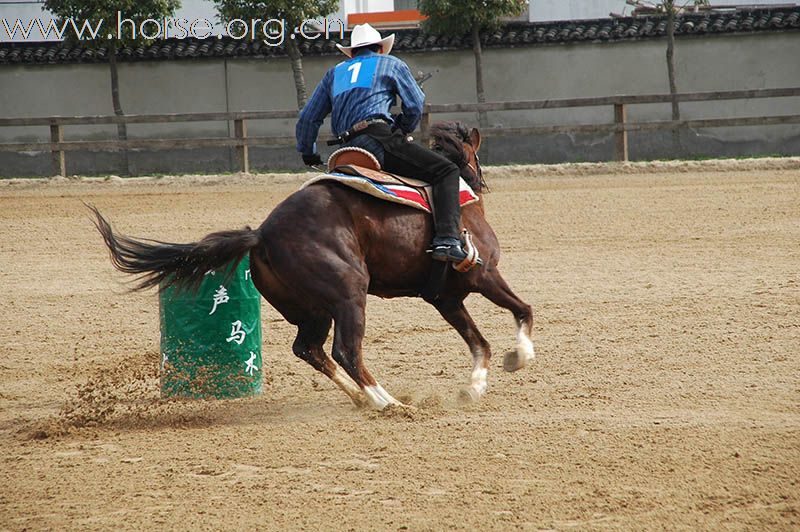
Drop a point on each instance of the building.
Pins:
(402, 13)
(552, 10)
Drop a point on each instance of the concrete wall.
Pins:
(585, 70)
(562, 71)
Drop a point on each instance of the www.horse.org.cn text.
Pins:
(271, 31)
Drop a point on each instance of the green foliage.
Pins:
(456, 17)
(292, 11)
(95, 10)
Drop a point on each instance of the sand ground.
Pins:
(665, 393)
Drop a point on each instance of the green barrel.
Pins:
(211, 338)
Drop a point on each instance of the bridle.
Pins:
(476, 169)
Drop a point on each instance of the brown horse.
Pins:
(324, 248)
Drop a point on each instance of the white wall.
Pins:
(24, 12)
(544, 10)
(190, 10)
(550, 10)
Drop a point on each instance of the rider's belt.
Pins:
(357, 129)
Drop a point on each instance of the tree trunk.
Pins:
(293, 51)
(122, 129)
(673, 86)
(476, 48)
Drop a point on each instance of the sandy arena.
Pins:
(665, 393)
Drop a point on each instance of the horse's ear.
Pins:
(475, 139)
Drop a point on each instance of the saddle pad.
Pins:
(396, 193)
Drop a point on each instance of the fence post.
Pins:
(242, 153)
(620, 137)
(59, 161)
(425, 127)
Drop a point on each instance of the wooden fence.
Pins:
(241, 141)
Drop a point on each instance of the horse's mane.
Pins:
(457, 129)
(447, 139)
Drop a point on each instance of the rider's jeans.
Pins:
(412, 160)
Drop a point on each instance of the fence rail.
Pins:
(242, 142)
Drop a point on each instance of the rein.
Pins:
(481, 184)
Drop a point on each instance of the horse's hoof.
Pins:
(512, 361)
(395, 405)
(399, 410)
(468, 395)
(361, 402)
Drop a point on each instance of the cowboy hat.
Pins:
(365, 35)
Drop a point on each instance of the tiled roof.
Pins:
(414, 40)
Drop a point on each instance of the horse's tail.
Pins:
(181, 265)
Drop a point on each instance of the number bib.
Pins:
(356, 73)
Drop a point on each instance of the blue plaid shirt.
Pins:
(362, 87)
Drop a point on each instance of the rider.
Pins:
(360, 93)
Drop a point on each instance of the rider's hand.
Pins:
(312, 160)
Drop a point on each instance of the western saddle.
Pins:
(360, 162)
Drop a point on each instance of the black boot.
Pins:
(448, 249)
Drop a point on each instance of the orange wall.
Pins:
(383, 17)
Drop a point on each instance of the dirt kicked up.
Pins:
(665, 393)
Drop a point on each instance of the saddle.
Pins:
(361, 163)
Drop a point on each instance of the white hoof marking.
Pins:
(525, 346)
(479, 381)
(379, 398)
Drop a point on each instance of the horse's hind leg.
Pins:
(349, 320)
(311, 336)
(496, 290)
(456, 314)
(333, 279)
(312, 327)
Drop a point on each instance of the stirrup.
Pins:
(466, 256)
(473, 257)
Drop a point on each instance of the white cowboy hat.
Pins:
(364, 35)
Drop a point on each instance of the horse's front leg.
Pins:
(456, 314)
(496, 290)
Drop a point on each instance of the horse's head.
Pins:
(458, 143)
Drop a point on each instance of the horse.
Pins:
(325, 247)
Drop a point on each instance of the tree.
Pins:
(292, 14)
(103, 15)
(671, 8)
(459, 17)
